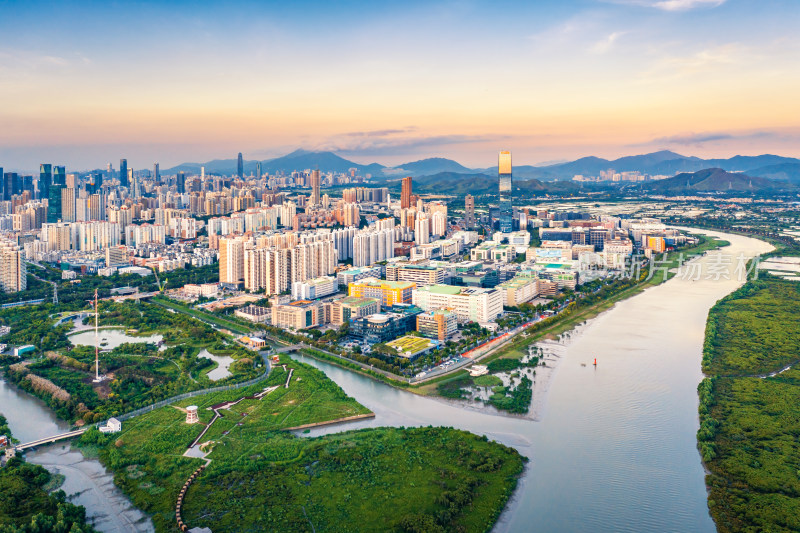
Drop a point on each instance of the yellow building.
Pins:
(657, 244)
(386, 292)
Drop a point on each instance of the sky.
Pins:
(87, 83)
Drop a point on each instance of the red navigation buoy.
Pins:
(595, 361)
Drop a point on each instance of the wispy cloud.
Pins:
(604, 45)
(704, 138)
(396, 142)
(701, 61)
(672, 5)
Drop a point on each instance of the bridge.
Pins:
(50, 440)
(291, 348)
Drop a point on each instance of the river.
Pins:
(613, 448)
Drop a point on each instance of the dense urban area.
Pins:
(169, 316)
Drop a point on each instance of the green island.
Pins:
(139, 373)
(516, 355)
(29, 505)
(749, 409)
(384, 479)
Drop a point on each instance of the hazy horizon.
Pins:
(86, 83)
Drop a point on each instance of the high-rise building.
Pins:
(123, 172)
(45, 179)
(13, 271)
(2, 185)
(315, 199)
(180, 182)
(240, 166)
(12, 185)
(405, 196)
(231, 260)
(60, 176)
(68, 205)
(469, 211)
(506, 205)
(54, 211)
(258, 170)
(156, 173)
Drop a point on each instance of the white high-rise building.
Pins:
(422, 229)
(13, 271)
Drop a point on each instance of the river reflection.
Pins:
(614, 448)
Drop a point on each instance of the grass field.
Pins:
(435, 478)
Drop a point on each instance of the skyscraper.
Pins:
(123, 172)
(315, 187)
(12, 185)
(60, 176)
(240, 166)
(54, 213)
(156, 173)
(258, 170)
(405, 196)
(506, 210)
(469, 211)
(180, 182)
(45, 179)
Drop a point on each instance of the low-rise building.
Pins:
(386, 326)
(519, 290)
(470, 304)
(254, 313)
(438, 324)
(298, 315)
(351, 275)
(350, 308)
(411, 347)
(388, 293)
(419, 274)
(491, 251)
(314, 288)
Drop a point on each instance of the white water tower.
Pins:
(191, 415)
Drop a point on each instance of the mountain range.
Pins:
(714, 180)
(657, 163)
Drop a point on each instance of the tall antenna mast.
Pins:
(96, 343)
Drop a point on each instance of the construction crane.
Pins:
(161, 286)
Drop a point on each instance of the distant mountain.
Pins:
(432, 165)
(781, 172)
(712, 180)
(297, 160)
(664, 163)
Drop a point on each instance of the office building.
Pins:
(180, 182)
(470, 304)
(506, 210)
(519, 290)
(258, 170)
(385, 326)
(298, 315)
(123, 172)
(438, 324)
(350, 308)
(346, 277)
(405, 195)
(240, 166)
(419, 274)
(54, 213)
(156, 173)
(45, 179)
(388, 293)
(314, 288)
(117, 256)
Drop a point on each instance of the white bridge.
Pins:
(50, 440)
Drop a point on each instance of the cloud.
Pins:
(700, 139)
(701, 61)
(604, 45)
(672, 5)
(396, 142)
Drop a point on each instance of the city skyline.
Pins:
(392, 84)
